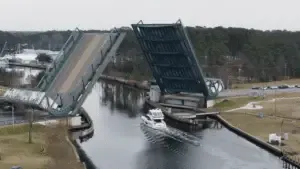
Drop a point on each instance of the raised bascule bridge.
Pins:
(84, 56)
(72, 75)
(179, 80)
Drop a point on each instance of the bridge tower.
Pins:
(172, 60)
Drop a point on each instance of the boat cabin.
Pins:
(156, 115)
(154, 119)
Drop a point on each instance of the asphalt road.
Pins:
(78, 62)
(247, 92)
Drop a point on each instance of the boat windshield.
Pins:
(148, 118)
(157, 120)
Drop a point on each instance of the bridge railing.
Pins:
(3, 49)
(85, 83)
(65, 51)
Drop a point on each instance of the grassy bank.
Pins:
(278, 117)
(2, 90)
(49, 149)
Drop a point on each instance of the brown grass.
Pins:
(250, 85)
(60, 150)
(262, 127)
(286, 108)
(235, 102)
(15, 150)
(49, 148)
(280, 94)
(230, 103)
(2, 90)
(249, 121)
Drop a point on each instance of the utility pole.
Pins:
(30, 126)
(281, 134)
(13, 115)
(285, 66)
(275, 100)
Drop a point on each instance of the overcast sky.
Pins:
(105, 14)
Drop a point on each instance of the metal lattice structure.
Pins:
(214, 85)
(58, 63)
(172, 59)
(67, 104)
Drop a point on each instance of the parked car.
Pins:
(272, 87)
(256, 88)
(283, 86)
(16, 167)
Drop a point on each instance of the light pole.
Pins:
(275, 103)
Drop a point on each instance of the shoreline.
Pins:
(253, 139)
(258, 142)
(85, 130)
(132, 83)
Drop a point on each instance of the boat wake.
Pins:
(155, 135)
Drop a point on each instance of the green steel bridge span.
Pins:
(84, 56)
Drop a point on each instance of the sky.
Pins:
(41, 15)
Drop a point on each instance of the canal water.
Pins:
(119, 142)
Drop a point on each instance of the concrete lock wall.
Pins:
(181, 102)
(186, 101)
(190, 100)
(211, 103)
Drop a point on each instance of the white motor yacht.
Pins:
(154, 119)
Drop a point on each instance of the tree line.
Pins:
(229, 53)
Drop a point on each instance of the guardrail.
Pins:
(3, 49)
(30, 65)
(10, 122)
(64, 53)
(24, 121)
(75, 98)
(84, 84)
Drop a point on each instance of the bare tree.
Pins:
(31, 112)
(30, 117)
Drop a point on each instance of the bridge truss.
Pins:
(67, 104)
(171, 57)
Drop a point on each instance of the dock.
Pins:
(28, 65)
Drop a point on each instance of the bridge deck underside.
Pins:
(88, 48)
(171, 58)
